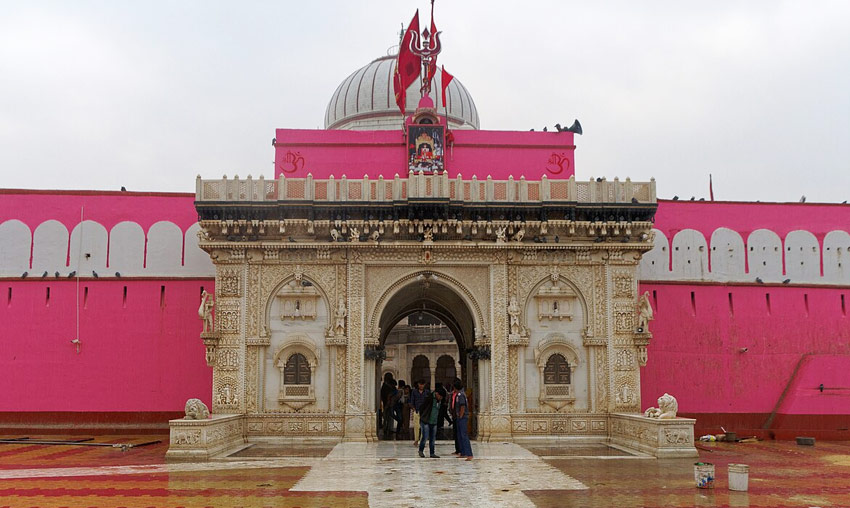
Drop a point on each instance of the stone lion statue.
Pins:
(196, 410)
(667, 408)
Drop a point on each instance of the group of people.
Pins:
(428, 409)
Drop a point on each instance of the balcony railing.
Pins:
(422, 186)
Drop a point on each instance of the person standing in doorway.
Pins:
(461, 412)
(452, 411)
(417, 398)
(387, 390)
(430, 414)
(398, 407)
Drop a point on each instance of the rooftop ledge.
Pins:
(428, 187)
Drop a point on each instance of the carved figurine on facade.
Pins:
(205, 311)
(353, 235)
(428, 235)
(513, 312)
(644, 313)
(667, 408)
(339, 314)
(334, 235)
(196, 410)
(501, 234)
(227, 396)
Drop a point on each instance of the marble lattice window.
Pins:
(557, 371)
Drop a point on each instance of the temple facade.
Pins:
(539, 292)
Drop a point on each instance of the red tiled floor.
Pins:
(781, 474)
(255, 487)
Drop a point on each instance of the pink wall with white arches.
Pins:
(695, 353)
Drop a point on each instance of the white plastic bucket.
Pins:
(704, 475)
(739, 477)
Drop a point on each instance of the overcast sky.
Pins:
(96, 95)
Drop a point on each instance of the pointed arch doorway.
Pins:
(428, 331)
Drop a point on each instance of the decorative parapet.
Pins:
(658, 437)
(422, 186)
(201, 440)
(428, 210)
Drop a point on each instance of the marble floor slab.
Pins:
(394, 475)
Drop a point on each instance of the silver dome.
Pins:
(365, 100)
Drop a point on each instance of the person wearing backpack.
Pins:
(428, 421)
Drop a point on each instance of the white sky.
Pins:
(96, 95)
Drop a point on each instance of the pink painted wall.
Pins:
(108, 208)
(138, 356)
(695, 351)
(499, 154)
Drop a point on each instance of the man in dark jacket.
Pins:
(417, 398)
(429, 415)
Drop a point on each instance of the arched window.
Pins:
(446, 372)
(421, 370)
(557, 371)
(296, 371)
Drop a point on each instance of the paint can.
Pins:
(739, 477)
(704, 475)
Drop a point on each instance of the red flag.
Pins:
(447, 78)
(407, 66)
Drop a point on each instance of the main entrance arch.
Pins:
(438, 296)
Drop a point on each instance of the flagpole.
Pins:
(710, 187)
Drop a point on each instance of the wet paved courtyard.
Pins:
(391, 474)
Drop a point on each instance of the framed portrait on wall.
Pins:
(426, 148)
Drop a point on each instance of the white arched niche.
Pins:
(127, 249)
(690, 259)
(165, 249)
(727, 255)
(802, 257)
(655, 264)
(560, 328)
(764, 253)
(50, 248)
(309, 324)
(196, 261)
(836, 258)
(15, 248)
(87, 254)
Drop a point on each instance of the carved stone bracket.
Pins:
(211, 343)
(479, 353)
(377, 353)
(257, 341)
(642, 338)
(642, 356)
(516, 339)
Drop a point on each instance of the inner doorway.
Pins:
(429, 336)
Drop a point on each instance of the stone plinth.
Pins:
(200, 440)
(658, 437)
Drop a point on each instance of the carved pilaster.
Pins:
(355, 418)
(500, 426)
